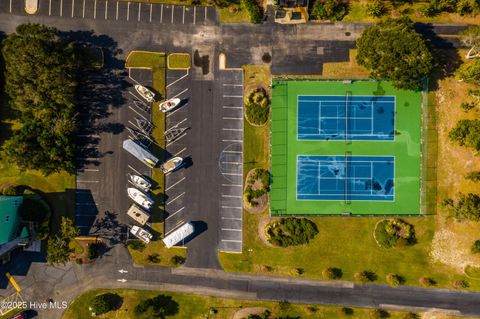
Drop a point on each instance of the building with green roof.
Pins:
(12, 234)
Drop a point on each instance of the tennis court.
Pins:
(344, 147)
(346, 117)
(347, 178)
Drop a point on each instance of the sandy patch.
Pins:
(245, 312)
(261, 230)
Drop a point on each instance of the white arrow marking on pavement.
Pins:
(122, 280)
(123, 271)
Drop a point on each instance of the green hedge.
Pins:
(291, 231)
(253, 9)
(258, 106)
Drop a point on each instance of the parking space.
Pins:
(125, 11)
(230, 161)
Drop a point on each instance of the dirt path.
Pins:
(244, 313)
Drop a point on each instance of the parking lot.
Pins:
(119, 11)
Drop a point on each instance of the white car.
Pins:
(172, 164)
(169, 105)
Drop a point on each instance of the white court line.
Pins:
(230, 229)
(178, 79)
(139, 10)
(171, 201)
(239, 96)
(180, 152)
(233, 141)
(232, 185)
(73, 7)
(231, 240)
(205, 21)
(83, 10)
(232, 218)
(95, 9)
(181, 136)
(87, 181)
(232, 84)
(49, 6)
(183, 17)
(232, 118)
(116, 13)
(232, 107)
(61, 7)
(236, 207)
(178, 211)
(232, 196)
(137, 112)
(237, 152)
(161, 13)
(128, 10)
(194, 12)
(175, 184)
(133, 169)
(232, 174)
(106, 9)
(173, 8)
(232, 129)
(179, 93)
(151, 8)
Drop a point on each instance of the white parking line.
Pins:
(73, 7)
(232, 185)
(171, 113)
(151, 8)
(232, 141)
(226, 84)
(95, 9)
(180, 152)
(178, 211)
(175, 184)
(205, 22)
(232, 129)
(10, 6)
(173, 8)
(178, 79)
(194, 12)
(231, 229)
(161, 13)
(83, 10)
(128, 10)
(180, 137)
(133, 169)
(179, 123)
(183, 17)
(232, 174)
(231, 240)
(171, 201)
(236, 96)
(49, 6)
(87, 170)
(61, 7)
(139, 10)
(106, 9)
(237, 163)
(179, 93)
(232, 107)
(232, 218)
(232, 118)
(232, 196)
(131, 108)
(88, 135)
(116, 13)
(236, 207)
(87, 181)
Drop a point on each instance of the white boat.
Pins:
(169, 104)
(140, 198)
(148, 95)
(141, 234)
(172, 164)
(140, 182)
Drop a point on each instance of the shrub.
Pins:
(468, 7)
(379, 314)
(160, 306)
(264, 315)
(394, 232)
(291, 231)
(345, 311)
(79, 261)
(284, 305)
(154, 258)
(473, 176)
(10, 191)
(332, 273)
(104, 303)
(258, 106)
(92, 251)
(136, 245)
(333, 10)
(178, 260)
(427, 282)
(394, 280)
(460, 284)
(365, 276)
(253, 10)
(476, 247)
(467, 106)
(468, 207)
(377, 8)
(411, 315)
(470, 72)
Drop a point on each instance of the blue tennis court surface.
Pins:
(345, 178)
(337, 117)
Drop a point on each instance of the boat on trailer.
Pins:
(140, 198)
(169, 105)
(173, 133)
(141, 234)
(148, 95)
(140, 182)
(172, 164)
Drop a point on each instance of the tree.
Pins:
(67, 228)
(394, 280)
(471, 37)
(160, 306)
(466, 133)
(253, 10)
(379, 314)
(40, 79)
(333, 10)
(468, 206)
(476, 247)
(393, 50)
(104, 303)
(470, 72)
(332, 273)
(58, 249)
(377, 8)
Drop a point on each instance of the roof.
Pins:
(9, 219)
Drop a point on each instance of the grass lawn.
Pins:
(178, 61)
(196, 306)
(157, 247)
(157, 63)
(347, 243)
(76, 247)
(235, 13)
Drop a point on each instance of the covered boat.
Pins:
(178, 235)
(140, 152)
